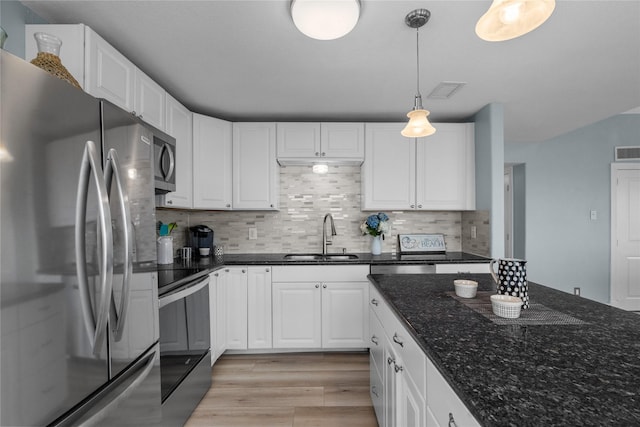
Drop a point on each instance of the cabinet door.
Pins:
(149, 102)
(259, 307)
(218, 314)
(297, 315)
(298, 140)
(179, 125)
(390, 387)
(108, 74)
(211, 163)
(255, 170)
(71, 52)
(345, 315)
(236, 331)
(388, 171)
(444, 403)
(445, 171)
(342, 140)
(411, 405)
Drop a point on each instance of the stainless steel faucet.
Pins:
(327, 241)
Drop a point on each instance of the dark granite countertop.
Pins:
(510, 375)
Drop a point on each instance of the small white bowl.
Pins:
(506, 306)
(465, 288)
(204, 251)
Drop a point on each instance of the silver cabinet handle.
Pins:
(169, 202)
(96, 323)
(317, 285)
(374, 301)
(374, 339)
(398, 368)
(323, 154)
(419, 206)
(266, 270)
(317, 154)
(111, 173)
(390, 360)
(374, 392)
(396, 339)
(215, 274)
(452, 421)
(228, 205)
(324, 286)
(243, 270)
(413, 206)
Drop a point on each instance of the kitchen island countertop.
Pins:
(512, 375)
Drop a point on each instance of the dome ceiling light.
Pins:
(325, 19)
(508, 19)
(418, 125)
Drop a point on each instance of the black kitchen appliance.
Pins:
(201, 236)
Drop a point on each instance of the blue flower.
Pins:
(383, 216)
(375, 225)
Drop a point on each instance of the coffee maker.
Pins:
(201, 236)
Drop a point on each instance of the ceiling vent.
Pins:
(445, 90)
(628, 153)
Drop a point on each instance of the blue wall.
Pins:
(566, 178)
(13, 17)
(489, 133)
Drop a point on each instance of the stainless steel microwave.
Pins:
(164, 162)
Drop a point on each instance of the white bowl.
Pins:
(204, 251)
(465, 288)
(506, 306)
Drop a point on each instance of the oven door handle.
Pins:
(183, 292)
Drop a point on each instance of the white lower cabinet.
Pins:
(329, 311)
(236, 330)
(259, 307)
(444, 407)
(406, 388)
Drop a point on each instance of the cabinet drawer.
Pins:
(376, 390)
(455, 268)
(320, 273)
(376, 341)
(443, 401)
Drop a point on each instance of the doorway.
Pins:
(625, 236)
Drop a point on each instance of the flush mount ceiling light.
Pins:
(325, 19)
(508, 19)
(418, 125)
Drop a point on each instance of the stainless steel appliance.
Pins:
(164, 158)
(78, 294)
(185, 360)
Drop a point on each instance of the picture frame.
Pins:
(421, 243)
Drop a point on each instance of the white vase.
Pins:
(376, 245)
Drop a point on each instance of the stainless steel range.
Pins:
(185, 361)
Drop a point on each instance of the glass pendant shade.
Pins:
(508, 19)
(325, 19)
(418, 125)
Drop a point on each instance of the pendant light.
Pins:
(418, 125)
(508, 19)
(325, 19)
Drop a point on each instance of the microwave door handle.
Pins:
(166, 149)
(183, 292)
(96, 323)
(112, 172)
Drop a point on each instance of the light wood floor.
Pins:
(288, 390)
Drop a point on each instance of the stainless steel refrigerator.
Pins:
(78, 291)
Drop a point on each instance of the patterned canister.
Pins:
(511, 278)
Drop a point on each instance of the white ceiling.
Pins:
(245, 61)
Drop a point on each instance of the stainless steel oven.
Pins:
(185, 360)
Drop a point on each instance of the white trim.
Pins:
(615, 169)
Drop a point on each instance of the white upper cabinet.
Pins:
(179, 125)
(149, 103)
(108, 74)
(389, 169)
(432, 173)
(212, 152)
(255, 170)
(300, 143)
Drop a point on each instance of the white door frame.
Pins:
(508, 212)
(615, 170)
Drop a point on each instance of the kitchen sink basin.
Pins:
(320, 257)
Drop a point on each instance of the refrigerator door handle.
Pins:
(96, 323)
(112, 171)
(166, 150)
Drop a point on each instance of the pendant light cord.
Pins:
(418, 61)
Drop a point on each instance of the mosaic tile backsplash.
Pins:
(305, 198)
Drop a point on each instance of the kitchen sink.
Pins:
(320, 257)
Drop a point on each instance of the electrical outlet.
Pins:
(594, 215)
(474, 232)
(253, 233)
(576, 291)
